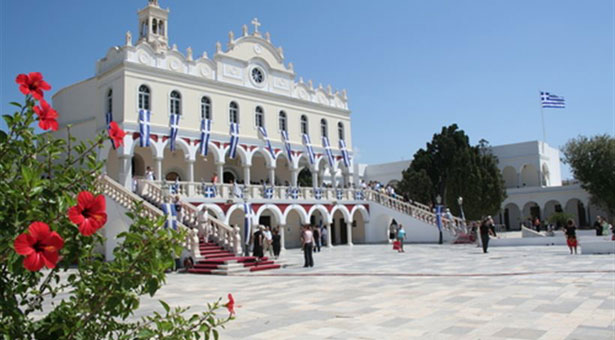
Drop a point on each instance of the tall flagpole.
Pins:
(542, 114)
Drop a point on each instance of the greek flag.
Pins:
(317, 193)
(325, 144)
(234, 140)
(247, 209)
(439, 217)
(144, 117)
(292, 193)
(344, 153)
(287, 145)
(174, 124)
(308, 147)
(108, 119)
(209, 191)
(263, 133)
(339, 193)
(551, 101)
(171, 215)
(358, 195)
(268, 193)
(205, 133)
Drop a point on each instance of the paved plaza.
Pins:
(428, 292)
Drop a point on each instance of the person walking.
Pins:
(307, 241)
(268, 241)
(316, 234)
(323, 236)
(401, 236)
(485, 231)
(598, 226)
(571, 236)
(276, 243)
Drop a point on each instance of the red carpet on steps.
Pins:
(215, 255)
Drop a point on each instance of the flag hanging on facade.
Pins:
(263, 133)
(205, 133)
(171, 215)
(551, 101)
(325, 144)
(174, 124)
(247, 209)
(308, 147)
(108, 119)
(345, 156)
(234, 140)
(144, 118)
(209, 191)
(289, 152)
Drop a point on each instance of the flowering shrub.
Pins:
(49, 220)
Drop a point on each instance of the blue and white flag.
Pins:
(108, 119)
(234, 140)
(292, 193)
(551, 101)
(289, 152)
(205, 133)
(317, 193)
(439, 217)
(247, 209)
(170, 212)
(344, 153)
(263, 133)
(339, 193)
(209, 191)
(174, 124)
(174, 188)
(358, 195)
(325, 144)
(308, 146)
(268, 193)
(144, 118)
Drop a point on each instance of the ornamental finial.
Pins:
(256, 24)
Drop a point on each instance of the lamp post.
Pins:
(439, 216)
(463, 217)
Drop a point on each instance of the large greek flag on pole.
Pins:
(247, 209)
(174, 124)
(144, 117)
(344, 153)
(263, 133)
(551, 101)
(325, 144)
(234, 140)
(308, 146)
(171, 215)
(205, 133)
(287, 145)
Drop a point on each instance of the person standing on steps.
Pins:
(485, 231)
(149, 174)
(277, 245)
(571, 236)
(401, 236)
(307, 242)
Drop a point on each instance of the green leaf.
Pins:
(165, 305)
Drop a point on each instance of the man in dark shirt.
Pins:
(486, 230)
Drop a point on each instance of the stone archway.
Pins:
(531, 210)
(359, 231)
(529, 176)
(550, 208)
(258, 170)
(292, 232)
(510, 177)
(283, 170)
(512, 217)
(575, 207)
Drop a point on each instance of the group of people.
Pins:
(263, 241)
(603, 228)
(486, 229)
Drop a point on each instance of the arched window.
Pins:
(110, 101)
(176, 101)
(154, 26)
(259, 116)
(323, 128)
(340, 130)
(282, 121)
(161, 27)
(304, 124)
(144, 98)
(205, 108)
(233, 112)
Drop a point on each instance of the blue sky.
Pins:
(410, 67)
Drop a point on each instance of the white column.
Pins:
(220, 167)
(349, 233)
(282, 237)
(329, 244)
(271, 176)
(190, 176)
(294, 174)
(246, 174)
(158, 166)
(333, 179)
(314, 178)
(125, 171)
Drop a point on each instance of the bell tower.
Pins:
(153, 26)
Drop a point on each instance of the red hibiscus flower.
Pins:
(230, 305)
(116, 134)
(46, 116)
(32, 83)
(89, 213)
(40, 246)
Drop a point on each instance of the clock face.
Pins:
(257, 75)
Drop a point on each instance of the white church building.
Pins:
(241, 115)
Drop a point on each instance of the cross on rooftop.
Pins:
(256, 24)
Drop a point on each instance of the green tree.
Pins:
(592, 161)
(450, 167)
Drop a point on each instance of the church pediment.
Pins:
(251, 48)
